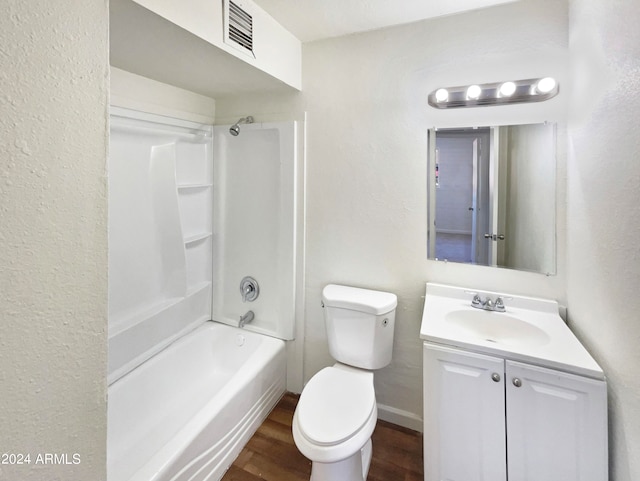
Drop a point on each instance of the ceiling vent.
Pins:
(238, 31)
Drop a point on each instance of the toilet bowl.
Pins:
(333, 423)
(337, 413)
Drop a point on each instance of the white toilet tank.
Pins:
(360, 325)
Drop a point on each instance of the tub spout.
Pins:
(246, 319)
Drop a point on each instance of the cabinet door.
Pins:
(464, 431)
(556, 425)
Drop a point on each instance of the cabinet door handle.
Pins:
(517, 382)
(495, 377)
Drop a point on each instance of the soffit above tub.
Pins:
(146, 44)
(311, 20)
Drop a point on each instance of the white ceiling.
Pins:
(317, 19)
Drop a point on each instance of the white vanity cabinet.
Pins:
(464, 426)
(556, 425)
(488, 418)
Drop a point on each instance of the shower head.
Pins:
(235, 128)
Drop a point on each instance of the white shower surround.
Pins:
(177, 241)
(160, 234)
(181, 236)
(254, 221)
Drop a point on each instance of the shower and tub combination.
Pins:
(201, 241)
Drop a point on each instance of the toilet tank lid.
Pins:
(358, 299)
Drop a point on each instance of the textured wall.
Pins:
(603, 217)
(53, 238)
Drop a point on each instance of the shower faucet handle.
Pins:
(249, 289)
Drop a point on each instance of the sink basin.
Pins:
(497, 327)
(530, 330)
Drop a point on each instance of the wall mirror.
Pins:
(492, 196)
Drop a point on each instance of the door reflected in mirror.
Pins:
(492, 196)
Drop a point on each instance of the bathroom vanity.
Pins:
(508, 395)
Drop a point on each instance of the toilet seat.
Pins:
(335, 405)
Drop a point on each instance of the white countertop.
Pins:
(545, 339)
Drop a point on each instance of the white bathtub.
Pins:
(187, 412)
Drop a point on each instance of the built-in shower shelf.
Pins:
(192, 239)
(194, 186)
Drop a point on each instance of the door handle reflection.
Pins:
(494, 237)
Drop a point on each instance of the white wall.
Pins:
(53, 236)
(603, 217)
(366, 148)
(135, 92)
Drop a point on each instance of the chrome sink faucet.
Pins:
(488, 304)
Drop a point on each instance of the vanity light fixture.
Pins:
(498, 93)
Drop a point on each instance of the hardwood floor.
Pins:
(272, 455)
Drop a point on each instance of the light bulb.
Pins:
(507, 89)
(442, 95)
(473, 92)
(546, 85)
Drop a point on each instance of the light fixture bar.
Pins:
(497, 93)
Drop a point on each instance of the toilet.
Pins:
(337, 411)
